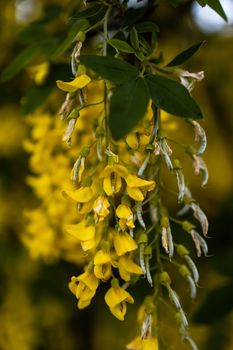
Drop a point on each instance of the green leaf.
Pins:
(147, 26)
(202, 2)
(176, 3)
(35, 97)
(134, 39)
(217, 7)
(37, 94)
(127, 106)
(32, 33)
(90, 12)
(185, 55)
(148, 48)
(51, 12)
(110, 68)
(133, 15)
(120, 45)
(172, 97)
(21, 61)
(79, 26)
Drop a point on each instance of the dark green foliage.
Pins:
(172, 97)
(185, 55)
(110, 68)
(127, 106)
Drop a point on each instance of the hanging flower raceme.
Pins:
(115, 212)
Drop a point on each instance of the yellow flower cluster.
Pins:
(106, 192)
(43, 234)
(92, 217)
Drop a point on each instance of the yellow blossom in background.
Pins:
(143, 344)
(39, 72)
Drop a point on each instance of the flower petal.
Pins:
(119, 311)
(116, 168)
(135, 193)
(83, 303)
(89, 279)
(124, 243)
(103, 272)
(81, 232)
(87, 245)
(117, 295)
(130, 266)
(82, 195)
(134, 181)
(74, 85)
(102, 257)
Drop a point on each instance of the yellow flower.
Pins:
(84, 288)
(116, 298)
(74, 85)
(100, 207)
(135, 186)
(143, 344)
(39, 72)
(132, 140)
(83, 233)
(125, 215)
(112, 175)
(102, 262)
(124, 243)
(126, 266)
(82, 195)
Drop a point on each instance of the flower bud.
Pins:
(187, 226)
(184, 271)
(181, 250)
(165, 278)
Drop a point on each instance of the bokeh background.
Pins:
(37, 311)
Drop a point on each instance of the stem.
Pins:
(105, 30)
(169, 260)
(179, 222)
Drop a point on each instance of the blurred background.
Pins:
(37, 311)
